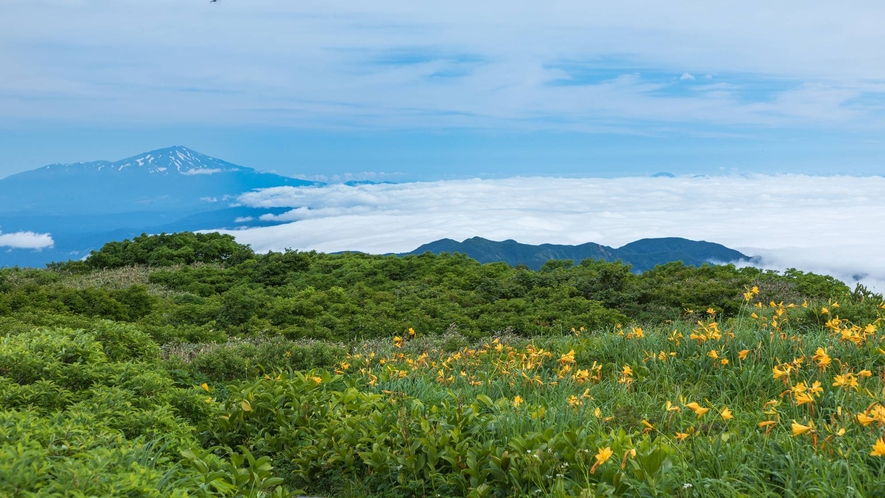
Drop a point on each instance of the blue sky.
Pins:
(418, 90)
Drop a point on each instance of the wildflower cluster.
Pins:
(538, 373)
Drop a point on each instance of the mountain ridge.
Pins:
(642, 254)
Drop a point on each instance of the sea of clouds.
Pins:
(825, 224)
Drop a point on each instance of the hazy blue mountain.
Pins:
(355, 183)
(84, 205)
(174, 178)
(643, 254)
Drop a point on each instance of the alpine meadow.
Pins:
(188, 365)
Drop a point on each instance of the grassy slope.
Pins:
(553, 403)
(129, 407)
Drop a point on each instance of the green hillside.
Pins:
(188, 365)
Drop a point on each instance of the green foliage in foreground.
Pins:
(219, 372)
(77, 421)
(430, 416)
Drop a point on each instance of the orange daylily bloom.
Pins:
(799, 429)
(878, 448)
(698, 409)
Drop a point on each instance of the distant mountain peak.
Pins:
(176, 159)
(161, 179)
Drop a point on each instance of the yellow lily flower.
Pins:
(799, 429)
(864, 419)
(822, 358)
(878, 448)
(601, 457)
(698, 409)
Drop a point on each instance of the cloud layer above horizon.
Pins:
(829, 225)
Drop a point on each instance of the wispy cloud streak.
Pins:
(466, 65)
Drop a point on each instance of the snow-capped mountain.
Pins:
(166, 179)
(168, 161)
(83, 205)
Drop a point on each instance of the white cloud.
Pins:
(686, 76)
(461, 64)
(202, 171)
(823, 224)
(26, 240)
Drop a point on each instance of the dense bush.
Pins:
(163, 250)
(93, 413)
(247, 359)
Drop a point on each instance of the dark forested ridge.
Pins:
(641, 255)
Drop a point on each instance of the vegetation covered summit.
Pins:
(187, 364)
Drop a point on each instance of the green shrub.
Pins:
(169, 249)
(245, 359)
(124, 342)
